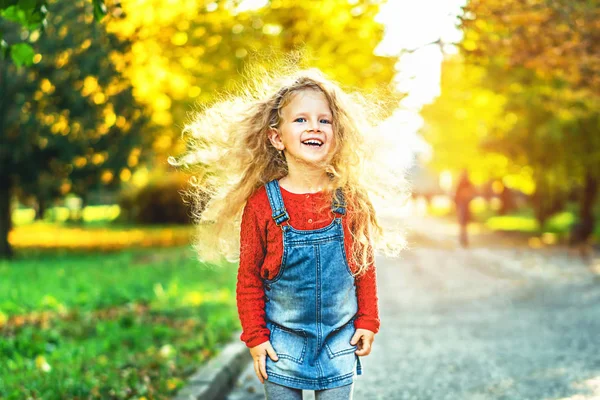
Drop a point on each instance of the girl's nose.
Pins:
(314, 126)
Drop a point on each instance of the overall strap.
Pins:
(279, 214)
(339, 204)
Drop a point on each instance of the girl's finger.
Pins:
(257, 371)
(263, 368)
(272, 355)
(364, 350)
(359, 343)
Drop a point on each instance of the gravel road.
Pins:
(490, 322)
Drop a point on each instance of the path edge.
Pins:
(216, 378)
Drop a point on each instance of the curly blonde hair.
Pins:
(229, 146)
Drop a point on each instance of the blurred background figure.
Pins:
(465, 191)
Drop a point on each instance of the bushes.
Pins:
(159, 202)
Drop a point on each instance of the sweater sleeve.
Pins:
(250, 292)
(366, 294)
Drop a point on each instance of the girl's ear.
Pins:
(275, 139)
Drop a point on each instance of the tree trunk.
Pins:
(546, 202)
(41, 209)
(5, 217)
(590, 193)
(508, 201)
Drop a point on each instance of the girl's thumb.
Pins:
(272, 354)
(355, 338)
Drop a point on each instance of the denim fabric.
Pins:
(311, 304)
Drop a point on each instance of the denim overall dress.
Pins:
(311, 304)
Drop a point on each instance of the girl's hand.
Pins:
(364, 338)
(259, 355)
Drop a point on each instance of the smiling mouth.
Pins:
(313, 142)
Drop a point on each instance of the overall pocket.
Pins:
(289, 343)
(338, 342)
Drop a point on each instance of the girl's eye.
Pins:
(322, 121)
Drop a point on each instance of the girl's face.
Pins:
(305, 133)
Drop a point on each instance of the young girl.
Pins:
(292, 157)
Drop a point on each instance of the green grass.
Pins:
(119, 325)
(522, 220)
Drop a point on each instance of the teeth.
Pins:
(313, 142)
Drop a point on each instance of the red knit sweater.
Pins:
(261, 249)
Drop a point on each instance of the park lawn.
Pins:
(98, 230)
(126, 324)
(97, 236)
(522, 221)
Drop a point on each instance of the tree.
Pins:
(30, 15)
(184, 56)
(458, 120)
(542, 56)
(70, 120)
